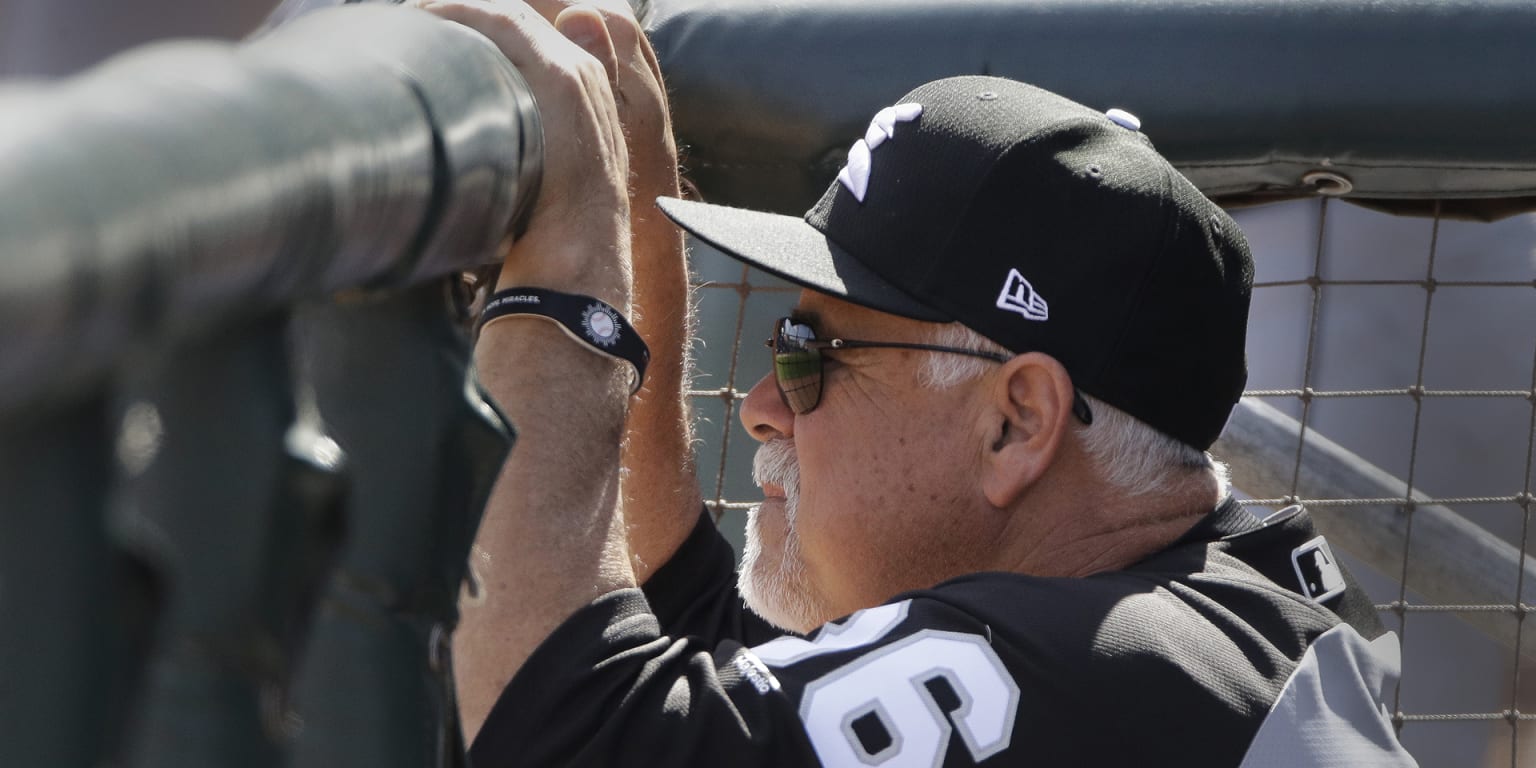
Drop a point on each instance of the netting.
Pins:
(1392, 391)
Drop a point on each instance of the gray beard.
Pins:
(781, 593)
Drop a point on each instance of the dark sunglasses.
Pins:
(797, 363)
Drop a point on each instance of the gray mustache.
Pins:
(775, 463)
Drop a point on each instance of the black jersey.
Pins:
(1242, 644)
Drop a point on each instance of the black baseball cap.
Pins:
(1037, 222)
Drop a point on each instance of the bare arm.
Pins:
(661, 485)
(553, 536)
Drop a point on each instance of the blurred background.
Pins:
(51, 39)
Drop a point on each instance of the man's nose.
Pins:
(764, 413)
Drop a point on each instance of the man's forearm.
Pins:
(552, 539)
(661, 487)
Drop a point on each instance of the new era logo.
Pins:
(1019, 296)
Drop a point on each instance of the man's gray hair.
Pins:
(1133, 457)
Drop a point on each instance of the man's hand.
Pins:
(583, 207)
(642, 99)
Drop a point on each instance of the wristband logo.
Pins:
(600, 323)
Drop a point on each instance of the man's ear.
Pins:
(1030, 410)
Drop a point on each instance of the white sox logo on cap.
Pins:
(855, 175)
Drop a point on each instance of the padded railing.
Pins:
(241, 457)
(1397, 102)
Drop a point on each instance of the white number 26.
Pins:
(890, 685)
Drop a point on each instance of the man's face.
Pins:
(874, 491)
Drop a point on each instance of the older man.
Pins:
(989, 510)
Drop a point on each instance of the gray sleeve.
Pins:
(1331, 713)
